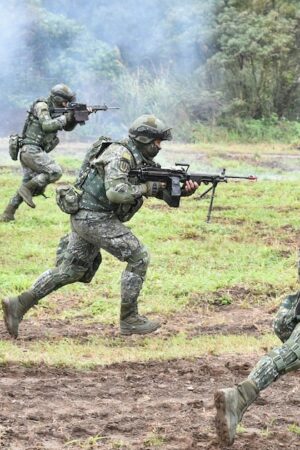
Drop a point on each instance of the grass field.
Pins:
(250, 247)
(208, 283)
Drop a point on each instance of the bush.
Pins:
(249, 131)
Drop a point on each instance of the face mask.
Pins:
(150, 150)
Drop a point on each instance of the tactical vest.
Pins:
(91, 180)
(33, 133)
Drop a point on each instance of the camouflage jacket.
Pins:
(106, 186)
(41, 128)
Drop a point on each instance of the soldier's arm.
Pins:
(71, 122)
(48, 124)
(116, 162)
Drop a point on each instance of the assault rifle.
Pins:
(176, 178)
(81, 111)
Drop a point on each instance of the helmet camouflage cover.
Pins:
(147, 128)
(61, 93)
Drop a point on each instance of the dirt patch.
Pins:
(135, 406)
(233, 297)
(198, 318)
(227, 320)
(156, 405)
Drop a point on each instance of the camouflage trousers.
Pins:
(91, 232)
(286, 357)
(37, 165)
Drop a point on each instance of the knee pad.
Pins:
(287, 318)
(287, 357)
(139, 261)
(55, 175)
(42, 179)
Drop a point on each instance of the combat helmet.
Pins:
(61, 93)
(147, 128)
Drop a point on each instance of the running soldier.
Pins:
(107, 198)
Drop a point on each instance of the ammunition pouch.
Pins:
(50, 144)
(125, 212)
(14, 144)
(67, 198)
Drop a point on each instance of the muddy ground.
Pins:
(158, 405)
(155, 405)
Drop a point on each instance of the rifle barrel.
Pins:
(250, 177)
(102, 107)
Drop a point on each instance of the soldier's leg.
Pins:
(111, 235)
(278, 361)
(9, 212)
(231, 403)
(74, 266)
(287, 317)
(14, 203)
(45, 168)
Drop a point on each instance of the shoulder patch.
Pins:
(127, 155)
(124, 166)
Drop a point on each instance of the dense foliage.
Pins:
(212, 62)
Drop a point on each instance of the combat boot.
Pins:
(9, 213)
(14, 309)
(26, 191)
(231, 405)
(132, 323)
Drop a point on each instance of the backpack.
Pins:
(68, 196)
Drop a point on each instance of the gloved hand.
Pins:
(69, 117)
(152, 188)
(62, 120)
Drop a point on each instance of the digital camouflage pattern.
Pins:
(93, 231)
(285, 358)
(147, 127)
(60, 93)
(97, 226)
(108, 199)
(39, 138)
(232, 403)
(105, 185)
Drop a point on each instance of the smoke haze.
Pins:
(91, 45)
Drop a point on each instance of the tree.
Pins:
(257, 62)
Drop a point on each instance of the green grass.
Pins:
(294, 429)
(251, 245)
(102, 351)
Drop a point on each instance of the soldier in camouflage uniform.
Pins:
(108, 198)
(231, 403)
(39, 137)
